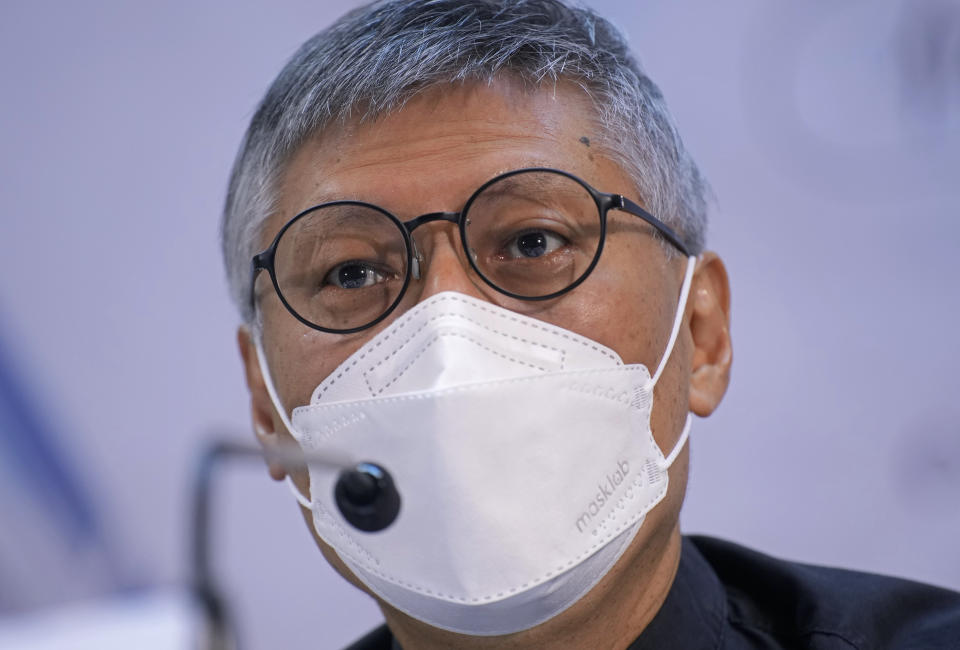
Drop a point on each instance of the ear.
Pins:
(710, 331)
(261, 406)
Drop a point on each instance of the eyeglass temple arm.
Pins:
(623, 203)
(259, 263)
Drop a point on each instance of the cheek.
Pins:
(623, 308)
(300, 357)
(296, 373)
(625, 319)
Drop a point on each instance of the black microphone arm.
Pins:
(364, 493)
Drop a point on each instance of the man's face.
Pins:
(431, 156)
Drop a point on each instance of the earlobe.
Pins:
(710, 332)
(261, 406)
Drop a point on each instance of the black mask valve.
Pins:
(367, 497)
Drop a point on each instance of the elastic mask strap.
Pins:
(677, 448)
(678, 319)
(268, 380)
(295, 491)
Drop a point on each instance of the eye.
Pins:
(353, 275)
(533, 243)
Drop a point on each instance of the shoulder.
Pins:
(379, 638)
(822, 607)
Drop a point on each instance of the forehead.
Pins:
(431, 154)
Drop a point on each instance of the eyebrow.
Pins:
(341, 215)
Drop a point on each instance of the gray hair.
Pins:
(377, 57)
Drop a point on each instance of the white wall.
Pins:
(835, 165)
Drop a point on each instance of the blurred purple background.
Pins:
(831, 135)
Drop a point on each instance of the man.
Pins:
(481, 304)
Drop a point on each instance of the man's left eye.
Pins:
(353, 275)
(534, 243)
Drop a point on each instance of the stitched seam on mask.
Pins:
(328, 431)
(477, 323)
(516, 319)
(455, 389)
(402, 371)
(414, 334)
(535, 325)
(637, 482)
(328, 519)
(634, 405)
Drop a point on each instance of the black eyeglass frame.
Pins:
(604, 202)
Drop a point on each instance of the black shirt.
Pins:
(728, 597)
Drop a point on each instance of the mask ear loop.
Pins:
(272, 391)
(678, 319)
(681, 441)
(268, 381)
(677, 322)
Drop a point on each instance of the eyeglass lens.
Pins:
(341, 266)
(533, 234)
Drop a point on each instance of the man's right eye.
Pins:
(353, 275)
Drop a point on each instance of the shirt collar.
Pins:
(695, 611)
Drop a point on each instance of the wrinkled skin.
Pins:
(430, 156)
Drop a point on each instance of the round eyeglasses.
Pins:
(532, 234)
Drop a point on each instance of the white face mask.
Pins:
(522, 451)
